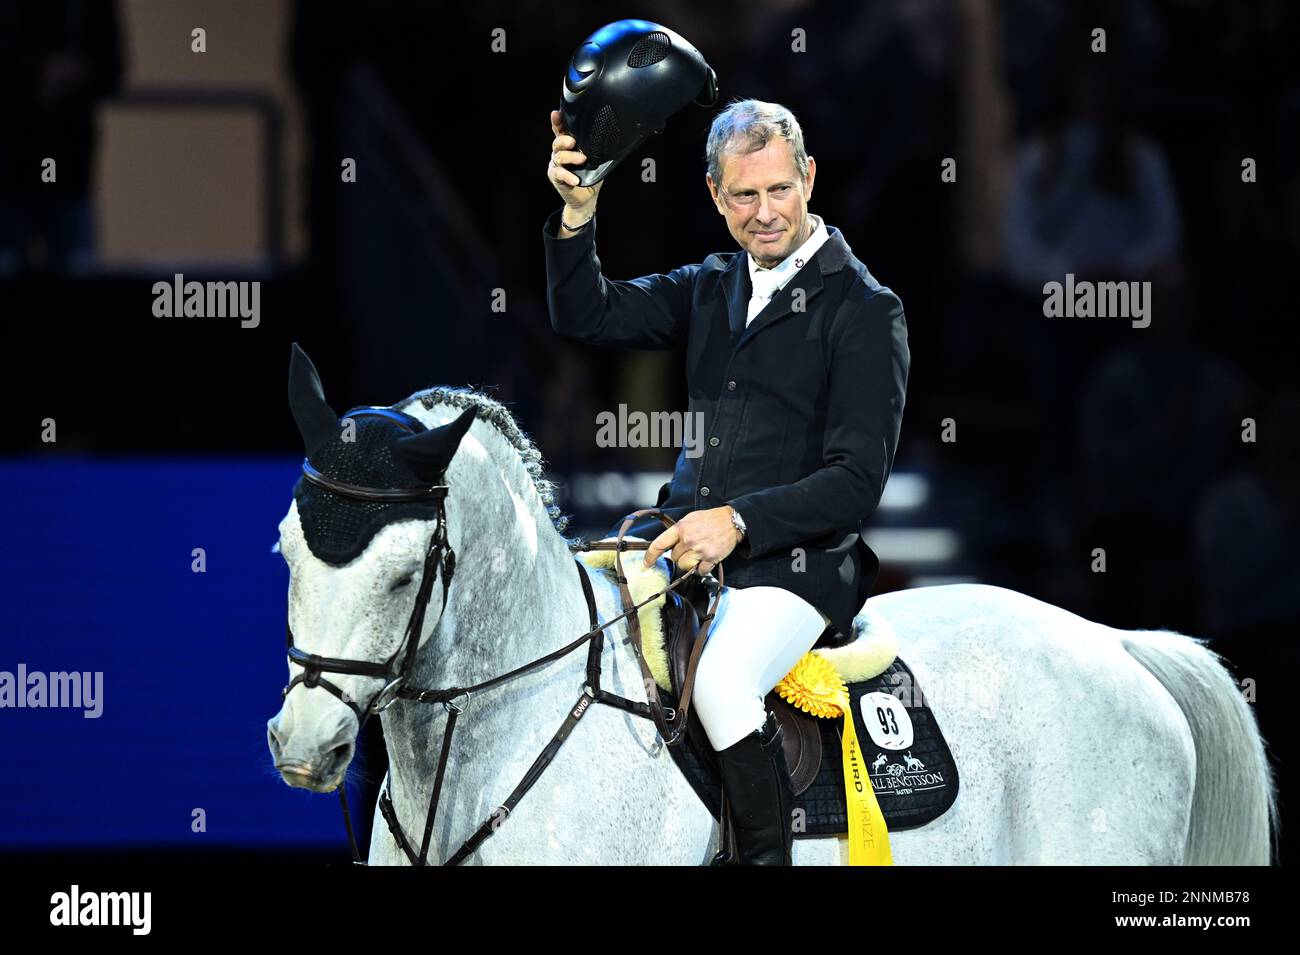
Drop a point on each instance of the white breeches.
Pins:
(758, 635)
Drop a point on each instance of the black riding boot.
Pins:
(758, 795)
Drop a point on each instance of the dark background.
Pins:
(1072, 434)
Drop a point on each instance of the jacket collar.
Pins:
(833, 255)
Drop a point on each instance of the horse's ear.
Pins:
(429, 452)
(316, 420)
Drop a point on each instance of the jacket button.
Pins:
(731, 386)
(713, 442)
(704, 492)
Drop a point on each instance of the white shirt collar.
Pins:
(783, 271)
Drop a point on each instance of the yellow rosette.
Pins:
(815, 687)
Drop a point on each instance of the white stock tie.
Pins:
(765, 285)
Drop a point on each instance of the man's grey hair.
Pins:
(746, 126)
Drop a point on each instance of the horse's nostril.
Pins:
(334, 759)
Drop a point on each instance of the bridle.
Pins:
(670, 722)
(438, 555)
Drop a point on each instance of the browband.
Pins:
(385, 494)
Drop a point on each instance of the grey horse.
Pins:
(1078, 743)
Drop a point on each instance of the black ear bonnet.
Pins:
(339, 528)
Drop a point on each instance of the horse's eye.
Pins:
(400, 583)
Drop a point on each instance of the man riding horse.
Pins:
(797, 360)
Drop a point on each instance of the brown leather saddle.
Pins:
(685, 612)
(802, 741)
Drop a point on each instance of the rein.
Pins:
(670, 722)
(591, 692)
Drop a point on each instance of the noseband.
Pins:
(670, 722)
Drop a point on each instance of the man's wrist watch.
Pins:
(738, 522)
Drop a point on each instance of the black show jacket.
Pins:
(801, 409)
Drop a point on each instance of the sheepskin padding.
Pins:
(873, 648)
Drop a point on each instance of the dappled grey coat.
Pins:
(802, 409)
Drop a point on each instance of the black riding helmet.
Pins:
(622, 84)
